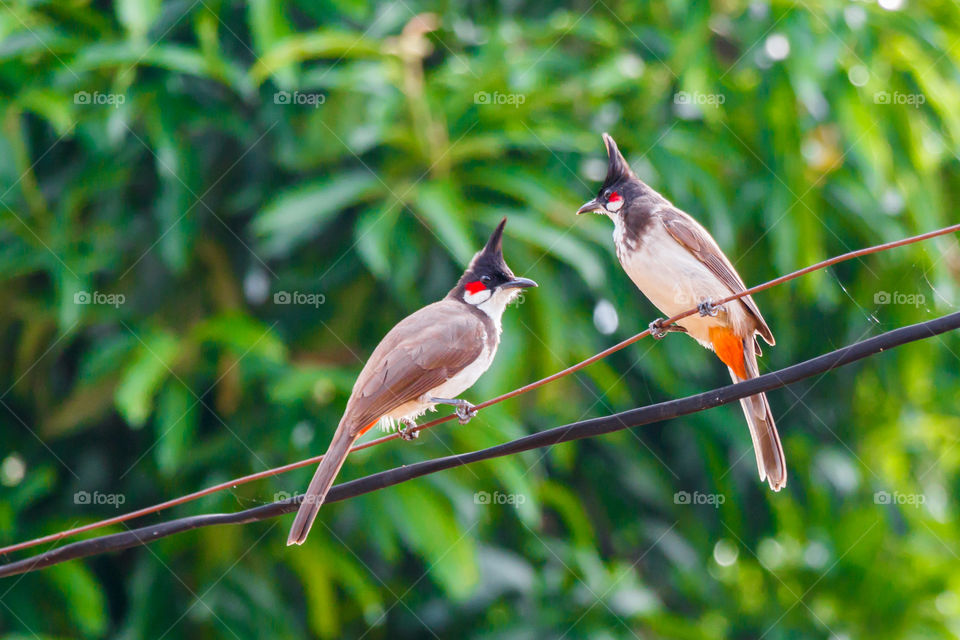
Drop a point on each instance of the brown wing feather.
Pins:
(421, 352)
(701, 244)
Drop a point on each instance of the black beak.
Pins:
(519, 283)
(591, 207)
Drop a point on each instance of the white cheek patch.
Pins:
(477, 298)
(614, 205)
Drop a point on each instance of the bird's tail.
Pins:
(741, 358)
(323, 479)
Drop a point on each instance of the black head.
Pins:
(621, 188)
(488, 273)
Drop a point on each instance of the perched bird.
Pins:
(429, 358)
(676, 263)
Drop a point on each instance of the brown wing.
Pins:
(701, 244)
(422, 351)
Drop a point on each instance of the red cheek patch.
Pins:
(475, 287)
(614, 197)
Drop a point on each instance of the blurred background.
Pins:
(212, 212)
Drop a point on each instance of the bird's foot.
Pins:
(408, 432)
(658, 330)
(707, 308)
(464, 410)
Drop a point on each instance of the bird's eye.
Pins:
(485, 279)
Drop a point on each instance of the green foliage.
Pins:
(191, 168)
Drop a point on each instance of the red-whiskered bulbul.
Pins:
(676, 263)
(429, 358)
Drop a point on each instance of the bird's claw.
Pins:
(463, 409)
(658, 330)
(408, 432)
(465, 412)
(707, 308)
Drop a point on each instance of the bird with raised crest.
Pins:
(677, 264)
(429, 358)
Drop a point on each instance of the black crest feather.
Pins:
(617, 168)
(488, 261)
(494, 245)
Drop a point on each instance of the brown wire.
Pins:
(506, 396)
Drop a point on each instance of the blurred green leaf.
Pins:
(306, 46)
(137, 15)
(428, 525)
(151, 364)
(436, 201)
(83, 597)
(297, 215)
(177, 417)
(242, 335)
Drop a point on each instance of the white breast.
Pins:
(674, 280)
(492, 305)
(462, 381)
